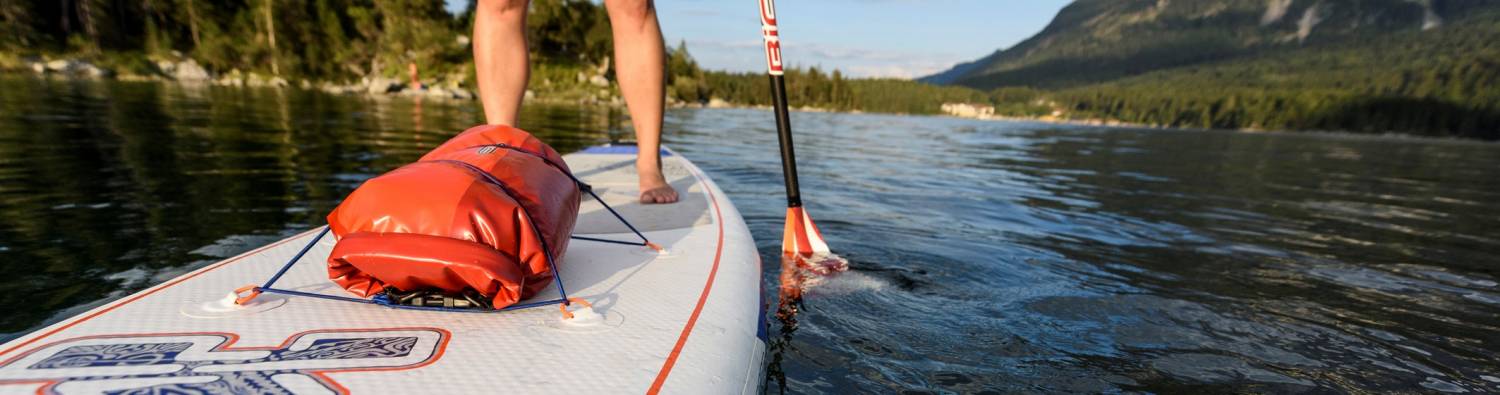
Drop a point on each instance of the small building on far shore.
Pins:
(969, 110)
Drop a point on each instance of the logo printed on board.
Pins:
(205, 363)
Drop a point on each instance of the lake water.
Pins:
(986, 256)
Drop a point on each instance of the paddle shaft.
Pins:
(772, 37)
(784, 130)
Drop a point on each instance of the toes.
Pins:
(658, 197)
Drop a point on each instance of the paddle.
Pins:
(801, 239)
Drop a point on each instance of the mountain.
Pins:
(953, 74)
(1093, 41)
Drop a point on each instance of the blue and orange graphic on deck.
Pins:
(207, 362)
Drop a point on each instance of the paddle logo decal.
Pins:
(207, 363)
(771, 36)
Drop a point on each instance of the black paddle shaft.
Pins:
(784, 130)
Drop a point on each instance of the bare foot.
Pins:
(655, 189)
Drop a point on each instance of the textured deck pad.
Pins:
(684, 322)
(614, 179)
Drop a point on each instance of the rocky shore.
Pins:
(188, 71)
(590, 88)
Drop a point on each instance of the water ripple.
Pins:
(986, 256)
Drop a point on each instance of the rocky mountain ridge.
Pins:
(1093, 41)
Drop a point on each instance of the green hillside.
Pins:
(1101, 40)
(1424, 67)
(1440, 82)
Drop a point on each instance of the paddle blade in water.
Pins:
(801, 236)
(803, 245)
(800, 273)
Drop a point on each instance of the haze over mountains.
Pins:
(1093, 41)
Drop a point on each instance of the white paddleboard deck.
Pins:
(687, 321)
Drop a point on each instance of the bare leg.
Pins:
(500, 58)
(640, 65)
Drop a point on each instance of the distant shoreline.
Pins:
(186, 71)
(384, 88)
(1308, 132)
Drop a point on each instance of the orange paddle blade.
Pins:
(803, 245)
(801, 236)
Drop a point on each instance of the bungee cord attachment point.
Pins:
(439, 301)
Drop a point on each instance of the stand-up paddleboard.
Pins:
(686, 320)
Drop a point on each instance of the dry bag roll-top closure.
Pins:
(485, 212)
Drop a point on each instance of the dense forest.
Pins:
(346, 40)
(812, 88)
(324, 39)
(332, 39)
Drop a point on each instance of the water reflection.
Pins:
(985, 256)
(107, 188)
(1023, 257)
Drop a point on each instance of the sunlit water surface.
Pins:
(986, 256)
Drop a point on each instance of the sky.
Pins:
(862, 38)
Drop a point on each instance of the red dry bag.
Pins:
(490, 211)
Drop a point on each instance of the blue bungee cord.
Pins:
(384, 299)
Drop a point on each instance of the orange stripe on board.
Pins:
(148, 292)
(666, 367)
